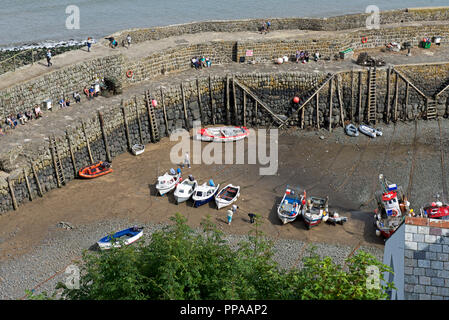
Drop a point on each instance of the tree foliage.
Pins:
(179, 263)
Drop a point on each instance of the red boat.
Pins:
(436, 210)
(95, 170)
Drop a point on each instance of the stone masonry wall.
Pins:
(426, 260)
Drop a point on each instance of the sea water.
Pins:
(44, 21)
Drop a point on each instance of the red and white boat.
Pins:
(436, 210)
(222, 134)
(392, 208)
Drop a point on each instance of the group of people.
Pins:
(304, 56)
(114, 43)
(199, 63)
(22, 117)
(265, 27)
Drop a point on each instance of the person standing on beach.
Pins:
(251, 217)
(186, 160)
(128, 40)
(230, 214)
(89, 43)
(49, 58)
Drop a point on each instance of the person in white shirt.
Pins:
(128, 40)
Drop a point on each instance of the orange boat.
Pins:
(96, 170)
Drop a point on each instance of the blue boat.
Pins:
(290, 206)
(204, 193)
(125, 237)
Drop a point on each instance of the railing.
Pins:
(11, 63)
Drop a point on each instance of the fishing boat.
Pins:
(185, 189)
(124, 237)
(205, 193)
(370, 132)
(138, 149)
(168, 181)
(222, 134)
(228, 195)
(392, 207)
(95, 170)
(436, 210)
(290, 206)
(351, 130)
(315, 210)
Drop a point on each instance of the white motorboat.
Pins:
(290, 206)
(204, 193)
(125, 237)
(370, 132)
(137, 149)
(168, 181)
(222, 134)
(315, 210)
(185, 189)
(228, 195)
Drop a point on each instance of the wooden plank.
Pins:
(228, 103)
(318, 110)
(125, 122)
(340, 100)
(410, 83)
(330, 104)
(351, 114)
(72, 154)
(396, 94)
(55, 165)
(211, 100)
(27, 182)
(388, 94)
(87, 142)
(105, 137)
(139, 123)
(302, 118)
(36, 177)
(360, 98)
(407, 88)
(184, 106)
(199, 99)
(237, 122)
(244, 108)
(256, 116)
(13, 196)
(165, 113)
(445, 88)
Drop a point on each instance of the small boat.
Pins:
(95, 170)
(436, 210)
(315, 210)
(392, 207)
(137, 149)
(168, 181)
(204, 193)
(228, 195)
(370, 132)
(222, 134)
(185, 189)
(351, 130)
(290, 206)
(335, 218)
(124, 237)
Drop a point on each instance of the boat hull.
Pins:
(103, 244)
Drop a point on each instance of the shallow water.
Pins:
(36, 21)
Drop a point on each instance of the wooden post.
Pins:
(228, 106)
(13, 196)
(185, 107)
(165, 112)
(388, 95)
(139, 124)
(256, 116)
(53, 157)
(199, 99)
(72, 154)
(340, 100)
(302, 118)
(396, 94)
(407, 88)
(318, 110)
(36, 177)
(87, 142)
(360, 98)
(211, 100)
(352, 96)
(237, 122)
(330, 103)
(28, 185)
(105, 137)
(244, 108)
(125, 122)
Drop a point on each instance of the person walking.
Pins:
(128, 40)
(49, 58)
(186, 160)
(251, 217)
(230, 214)
(89, 43)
